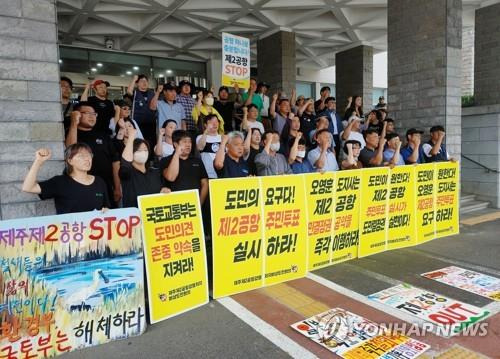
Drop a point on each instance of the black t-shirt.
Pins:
(251, 161)
(226, 111)
(71, 196)
(105, 112)
(135, 183)
(233, 169)
(143, 115)
(104, 154)
(191, 172)
(365, 156)
(307, 124)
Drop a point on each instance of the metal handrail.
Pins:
(481, 165)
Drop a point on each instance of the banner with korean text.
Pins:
(266, 228)
(175, 256)
(70, 281)
(235, 61)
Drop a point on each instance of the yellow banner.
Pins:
(320, 191)
(447, 202)
(402, 229)
(174, 248)
(237, 235)
(346, 228)
(424, 190)
(285, 228)
(373, 212)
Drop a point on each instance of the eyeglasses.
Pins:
(89, 113)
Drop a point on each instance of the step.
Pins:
(467, 198)
(473, 206)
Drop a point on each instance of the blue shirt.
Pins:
(168, 111)
(407, 151)
(389, 153)
(330, 163)
(302, 167)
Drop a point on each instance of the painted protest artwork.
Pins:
(69, 282)
(351, 336)
(474, 282)
(449, 316)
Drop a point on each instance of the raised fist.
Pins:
(75, 118)
(42, 155)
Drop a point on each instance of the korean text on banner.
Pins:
(447, 212)
(402, 230)
(174, 247)
(449, 316)
(70, 281)
(237, 235)
(425, 185)
(285, 229)
(346, 228)
(373, 212)
(320, 191)
(235, 61)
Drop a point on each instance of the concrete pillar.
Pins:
(424, 66)
(214, 74)
(354, 76)
(468, 61)
(276, 61)
(487, 56)
(30, 110)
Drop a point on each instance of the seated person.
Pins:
(164, 145)
(269, 162)
(232, 164)
(322, 158)
(297, 157)
(137, 177)
(352, 148)
(208, 143)
(74, 191)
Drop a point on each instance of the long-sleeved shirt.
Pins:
(268, 165)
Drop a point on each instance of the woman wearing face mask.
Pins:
(297, 157)
(75, 190)
(204, 107)
(122, 114)
(351, 149)
(164, 146)
(136, 176)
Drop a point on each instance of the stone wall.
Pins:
(30, 110)
(424, 66)
(468, 61)
(481, 143)
(276, 61)
(354, 76)
(487, 56)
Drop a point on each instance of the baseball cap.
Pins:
(412, 131)
(390, 136)
(169, 86)
(437, 128)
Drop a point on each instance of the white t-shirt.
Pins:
(166, 149)
(355, 136)
(256, 124)
(427, 148)
(208, 153)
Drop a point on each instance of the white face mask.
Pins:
(275, 147)
(209, 101)
(301, 154)
(141, 156)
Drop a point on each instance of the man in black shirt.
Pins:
(225, 108)
(320, 105)
(104, 108)
(181, 170)
(105, 161)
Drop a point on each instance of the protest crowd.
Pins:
(177, 137)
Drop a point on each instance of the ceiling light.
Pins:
(60, 61)
(161, 75)
(129, 72)
(99, 64)
(136, 68)
(168, 71)
(93, 69)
